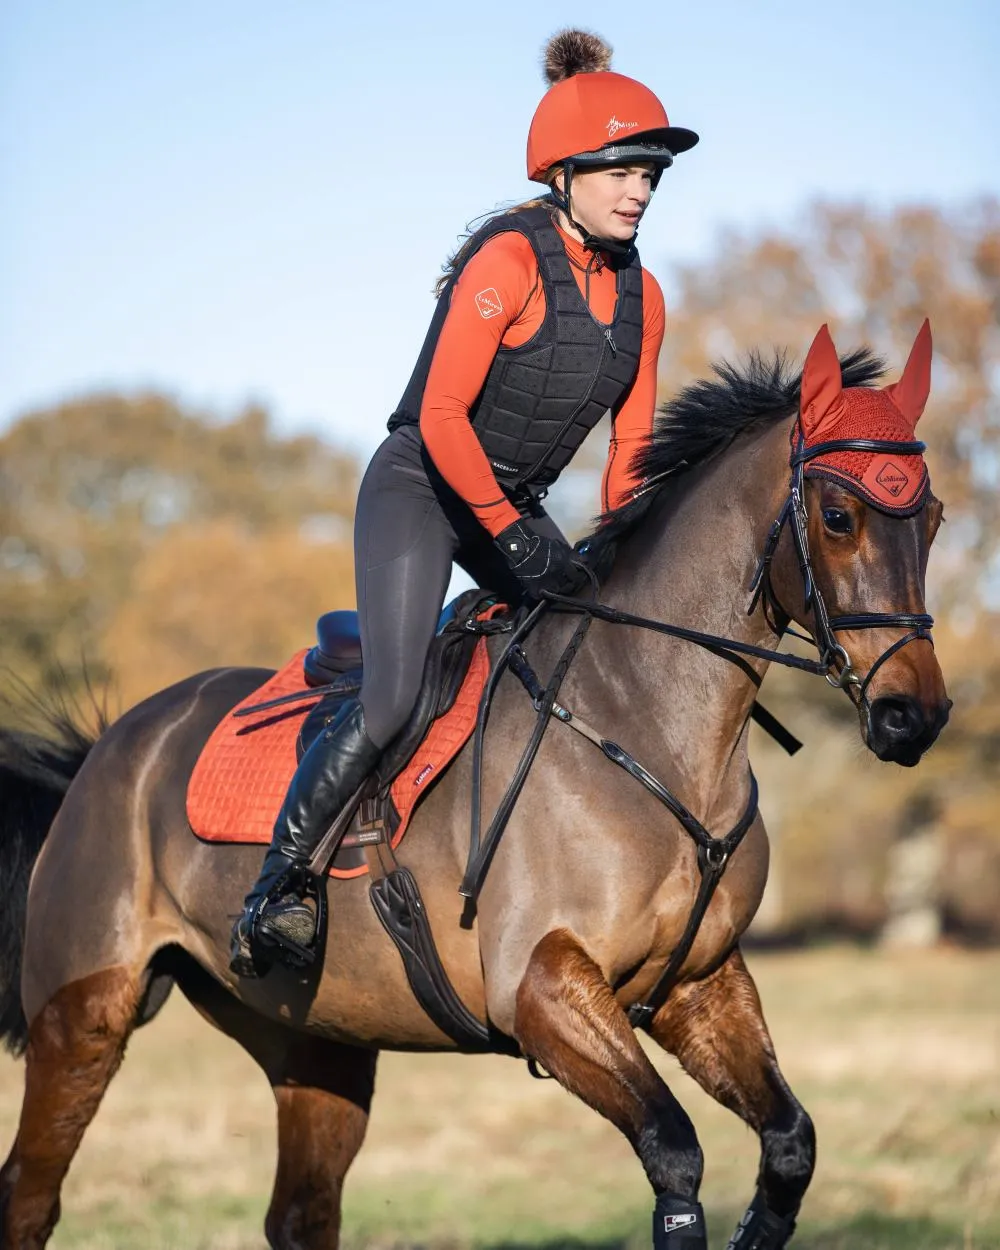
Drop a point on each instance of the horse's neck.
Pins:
(691, 564)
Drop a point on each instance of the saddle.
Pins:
(240, 779)
(335, 664)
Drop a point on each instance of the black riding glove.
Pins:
(539, 563)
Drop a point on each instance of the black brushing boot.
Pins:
(761, 1229)
(329, 773)
(678, 1224)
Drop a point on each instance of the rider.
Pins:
(545, 320)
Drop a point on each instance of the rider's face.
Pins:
(609, 202)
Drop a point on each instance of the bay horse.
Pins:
(593, 882)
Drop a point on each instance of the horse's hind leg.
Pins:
(567, 1019)
(716, 1029)
(75, 1045)
(323, 1091)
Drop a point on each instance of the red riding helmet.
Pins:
(591, 116)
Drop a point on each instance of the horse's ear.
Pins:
(821, 388)
(910, 393)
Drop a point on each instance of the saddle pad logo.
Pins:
(671, 1223)
(424, 773)
(892, 479)
(488, 303)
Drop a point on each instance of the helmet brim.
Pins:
(659, 146)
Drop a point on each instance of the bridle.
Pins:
(834, 664)
(840, 671)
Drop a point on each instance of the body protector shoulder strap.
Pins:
(541, 399)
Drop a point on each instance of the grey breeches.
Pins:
(409, 528)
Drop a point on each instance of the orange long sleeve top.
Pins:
(497, 301)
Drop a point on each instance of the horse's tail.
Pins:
(35, 773)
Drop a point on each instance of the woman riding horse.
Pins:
(546, 321)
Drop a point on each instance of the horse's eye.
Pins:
(837, 521)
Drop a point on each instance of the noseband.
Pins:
(840, 672)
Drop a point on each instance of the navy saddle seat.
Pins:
(338, 648)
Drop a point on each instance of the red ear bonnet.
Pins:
(821, 402)
(910, 393)
(887, 480)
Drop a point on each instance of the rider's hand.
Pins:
(538, 562)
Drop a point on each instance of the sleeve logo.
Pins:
(488, 303)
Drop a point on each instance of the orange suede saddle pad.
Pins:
(240, 779)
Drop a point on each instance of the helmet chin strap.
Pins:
(615, 247)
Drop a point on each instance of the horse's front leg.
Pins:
(716, 1029)
(567, 1019)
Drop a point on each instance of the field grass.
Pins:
(896, 1056)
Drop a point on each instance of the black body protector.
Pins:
(541, 400)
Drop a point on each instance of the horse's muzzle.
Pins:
(901, 730)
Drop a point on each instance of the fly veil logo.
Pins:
(892, 478)
(615, 126)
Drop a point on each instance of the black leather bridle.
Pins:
(840, 671)
(834, 664)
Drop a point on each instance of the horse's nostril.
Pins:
(897, 719)
(896, 716)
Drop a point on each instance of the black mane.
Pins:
(700, 423)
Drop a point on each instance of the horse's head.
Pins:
(862, 518)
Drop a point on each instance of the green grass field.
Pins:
(896, 1056)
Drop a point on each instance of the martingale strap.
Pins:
(713, 853)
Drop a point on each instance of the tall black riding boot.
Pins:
(329, 773)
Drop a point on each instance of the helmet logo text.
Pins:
(614, 126)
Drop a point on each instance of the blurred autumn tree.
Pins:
(155, 542)
(834, 812)
(146, 542)
(874, 277)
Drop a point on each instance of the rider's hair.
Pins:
(456, 259)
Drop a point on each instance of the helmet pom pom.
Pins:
(575, 52)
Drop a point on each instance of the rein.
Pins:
(834, 664)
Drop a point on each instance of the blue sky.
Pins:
(236, 201)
